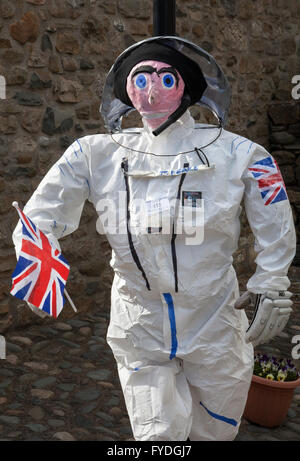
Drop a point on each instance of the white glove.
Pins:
(271, 314)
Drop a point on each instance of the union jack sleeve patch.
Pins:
(269, 180)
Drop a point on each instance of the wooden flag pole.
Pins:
(70, 300)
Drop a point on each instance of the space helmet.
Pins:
(205, 83)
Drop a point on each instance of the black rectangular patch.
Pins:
(191, 198)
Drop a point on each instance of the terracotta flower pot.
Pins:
(268, 401)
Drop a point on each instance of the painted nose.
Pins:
(153, 95)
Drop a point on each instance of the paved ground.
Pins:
(59, 382)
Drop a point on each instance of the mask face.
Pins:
(155, 90)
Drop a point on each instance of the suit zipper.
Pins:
(124, 167)
(174, 235)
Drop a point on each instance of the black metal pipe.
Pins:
(164, 17)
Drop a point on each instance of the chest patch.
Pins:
(191, 199)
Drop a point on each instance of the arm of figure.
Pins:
(57, 203)
(270, 218)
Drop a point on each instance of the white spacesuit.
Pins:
(184, 359)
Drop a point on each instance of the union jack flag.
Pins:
(269, 180)
(41, 272)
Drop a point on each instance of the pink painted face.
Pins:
(155, 90)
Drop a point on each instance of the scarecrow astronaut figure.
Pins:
(181, 340)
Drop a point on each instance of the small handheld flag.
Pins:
(41, 271)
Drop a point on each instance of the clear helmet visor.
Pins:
(216, 97)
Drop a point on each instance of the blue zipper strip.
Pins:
(231, 421)
(174, 343)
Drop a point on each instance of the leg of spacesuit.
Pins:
(218, 402)
(158, 401)
(200, 395)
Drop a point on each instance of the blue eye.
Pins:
(168, 81)
(140, 81)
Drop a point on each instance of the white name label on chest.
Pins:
(157, 206)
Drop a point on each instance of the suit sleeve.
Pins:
(271, 220)
(57, 203)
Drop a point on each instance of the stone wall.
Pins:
(54, 55)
